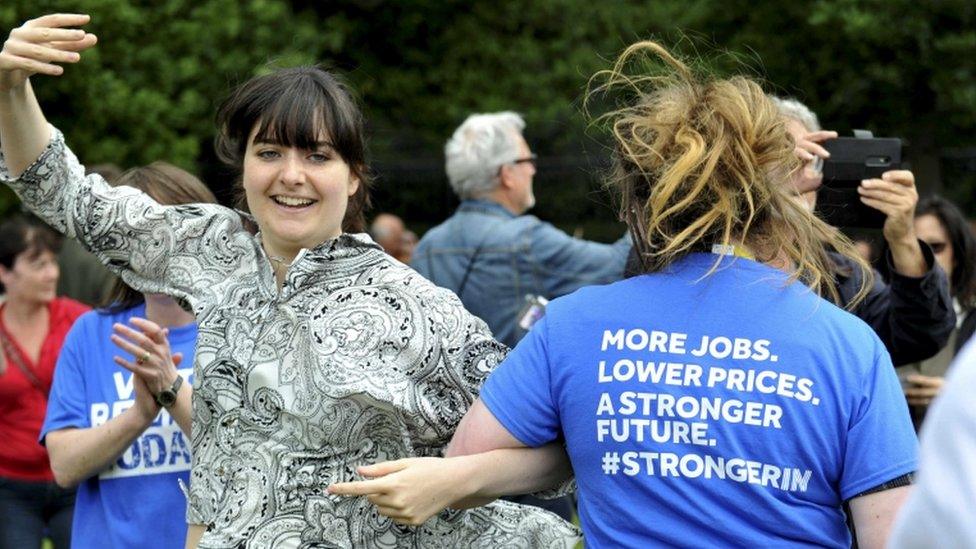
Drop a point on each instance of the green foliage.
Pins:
(149, 89)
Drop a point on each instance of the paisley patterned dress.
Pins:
(356, 359)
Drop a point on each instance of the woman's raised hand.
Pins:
(40, 45)
(154, 361)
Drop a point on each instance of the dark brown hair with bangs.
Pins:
(25, 235)
(169, 186)
(291, 107)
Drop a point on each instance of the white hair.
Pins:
(478, 148)
(791, 108)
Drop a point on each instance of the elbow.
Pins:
(62, 477)
(65, 471)
(461, 445)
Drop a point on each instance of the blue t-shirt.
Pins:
(137, 502)
(731, 409)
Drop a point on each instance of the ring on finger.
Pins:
(144, 358)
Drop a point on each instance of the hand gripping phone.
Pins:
(853, 159)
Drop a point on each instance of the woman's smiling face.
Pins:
(298, 196)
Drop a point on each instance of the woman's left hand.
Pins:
(925, 389)
(894, 195)
(412, 490)
(41, 45)
(154, 362)
(808, 148)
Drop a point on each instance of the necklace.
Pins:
(280, 261)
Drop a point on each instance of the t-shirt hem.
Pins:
(57, 427)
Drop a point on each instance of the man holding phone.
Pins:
(913, 314)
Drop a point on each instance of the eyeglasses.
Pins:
(528, 159)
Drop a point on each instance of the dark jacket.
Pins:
(912, 316)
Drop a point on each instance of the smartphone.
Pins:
(853, 159)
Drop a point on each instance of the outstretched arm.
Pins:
(894, 195)
(412, 490)
(163, 248)
(36, 47)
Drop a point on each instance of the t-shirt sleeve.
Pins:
(67, 402)
(519, 392)
(881, 443)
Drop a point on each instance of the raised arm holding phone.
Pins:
(912, 313)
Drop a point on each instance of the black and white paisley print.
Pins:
(356, 359)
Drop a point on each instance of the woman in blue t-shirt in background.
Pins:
(716, 400)
(118, 423)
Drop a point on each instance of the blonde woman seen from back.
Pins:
(716, 400)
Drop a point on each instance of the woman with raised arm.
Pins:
(940, 224)
(316, 352)
(716, 400)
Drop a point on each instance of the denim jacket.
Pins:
(493, 258)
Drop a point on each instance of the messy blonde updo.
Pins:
(700, 160)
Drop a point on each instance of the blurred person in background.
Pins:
(941, 225)
(33, 325)
(387, 231)
(83, 277)
(117, 427)
(407, 246)
(912, 313)
(490, 253)
(939, 511)
(503, 264)
(701, 166)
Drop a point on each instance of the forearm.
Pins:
(907, 257)
(511, 471)
(24, 132)
(182, 409)
(193, 534)
(77, 454)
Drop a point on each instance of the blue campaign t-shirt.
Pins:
(703, 410)
(137, 502)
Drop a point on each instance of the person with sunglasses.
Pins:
(941, 225)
